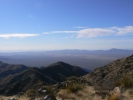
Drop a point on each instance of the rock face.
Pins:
(33, 77)
(107, 74)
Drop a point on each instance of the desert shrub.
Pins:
(126, 81)
(74, 87)
(30, 93)
(50, 90)
(114, 97)
(71, 78)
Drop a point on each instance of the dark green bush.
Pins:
(72, 78)
(50, 90)
(74, 87)
(125, 81)
(30, 93)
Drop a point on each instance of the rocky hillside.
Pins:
(11, 69)
(34, 77)
(109, 73)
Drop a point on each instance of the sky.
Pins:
(66, 24)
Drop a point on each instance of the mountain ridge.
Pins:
(11, 69)
(33, 77)
(108, 74)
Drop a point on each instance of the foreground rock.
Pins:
(49, 97)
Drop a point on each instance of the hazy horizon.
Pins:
(84, 58)
(60, 50)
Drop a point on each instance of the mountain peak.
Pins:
(61, 62)
(113, 49)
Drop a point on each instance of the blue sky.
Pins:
(66, 24)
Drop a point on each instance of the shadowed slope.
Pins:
(33, 78)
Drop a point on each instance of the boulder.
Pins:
(49, 97)
(12, 98)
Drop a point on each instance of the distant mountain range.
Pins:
(114, 52)
(18, 78)
(89, 59)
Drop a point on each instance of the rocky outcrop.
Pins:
(49, 97)
(108, 74)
